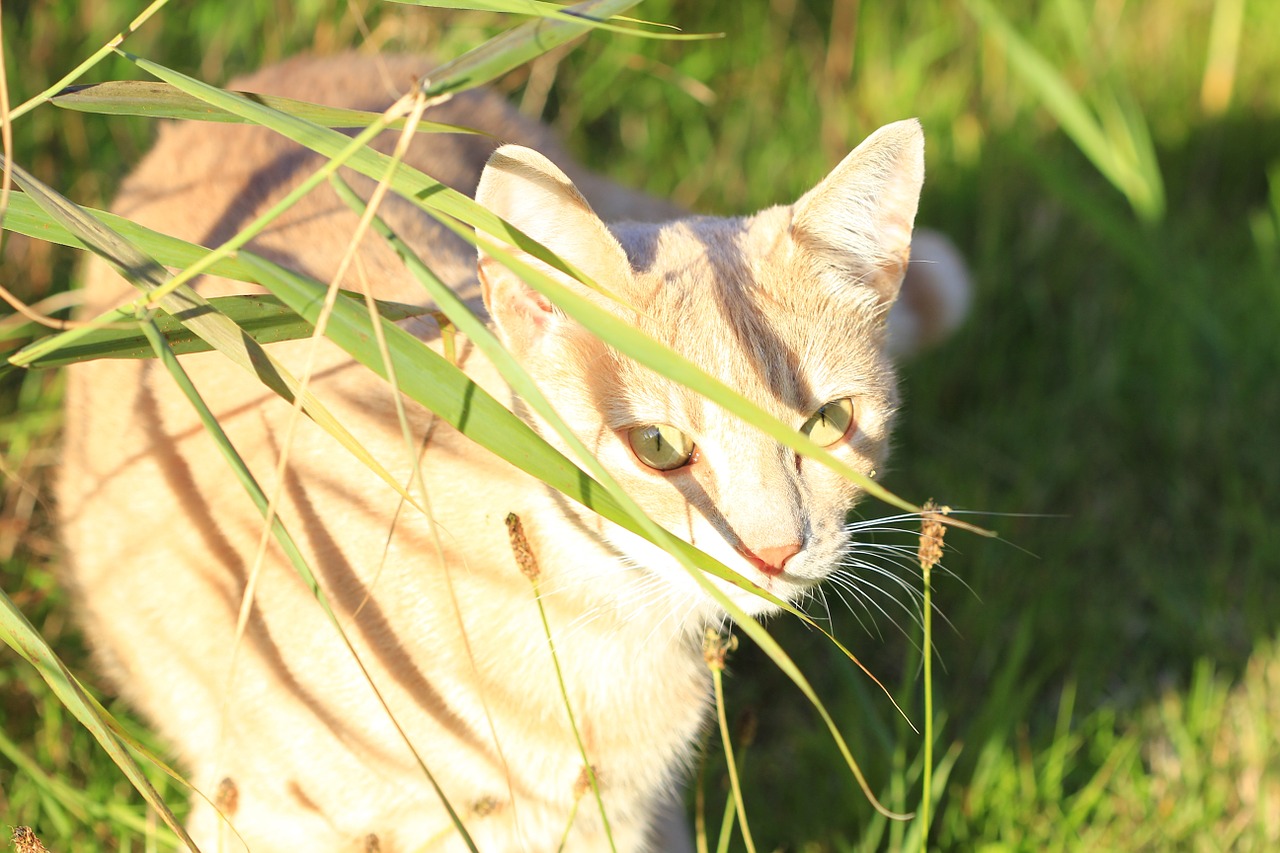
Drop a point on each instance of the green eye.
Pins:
(660, 446)
(830, 423)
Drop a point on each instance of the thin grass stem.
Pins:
(714, 649)
(931, 532)
(528, 564)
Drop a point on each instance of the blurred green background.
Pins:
(1109, 677)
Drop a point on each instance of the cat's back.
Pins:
(134, 447)
(205, 181)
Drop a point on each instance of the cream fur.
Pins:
(787, 306)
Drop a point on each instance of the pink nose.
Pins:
(771, 561)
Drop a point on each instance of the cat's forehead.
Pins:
(735, 297)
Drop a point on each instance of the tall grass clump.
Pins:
(1103, 673)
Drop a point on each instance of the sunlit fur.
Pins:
(788, 307)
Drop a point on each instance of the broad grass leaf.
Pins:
(24, 216)
(153, 99)
(429, 193)
(263, 317)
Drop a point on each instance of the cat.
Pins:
(790, 306)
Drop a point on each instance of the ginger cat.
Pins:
(790, 306)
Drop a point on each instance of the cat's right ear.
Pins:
(858, 220)
(532, 194)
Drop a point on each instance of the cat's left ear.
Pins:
(858, 220)
(531, 193)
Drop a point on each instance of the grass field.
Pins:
(1108, 677)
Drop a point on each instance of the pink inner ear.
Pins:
(520, 312)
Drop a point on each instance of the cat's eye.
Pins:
(830, 423)
(660, 446)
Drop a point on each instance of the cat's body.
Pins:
(161, 537)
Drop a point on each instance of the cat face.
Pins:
(786, 307)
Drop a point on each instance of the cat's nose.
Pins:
(772, 561)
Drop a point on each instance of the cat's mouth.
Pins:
(787, 583)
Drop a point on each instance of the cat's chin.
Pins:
(781, 588)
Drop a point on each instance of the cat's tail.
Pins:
(935, 295)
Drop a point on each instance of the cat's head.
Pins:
(788, 307)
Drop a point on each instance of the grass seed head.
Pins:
(932, 529)
(716, 647)
(520, 547)
(25, 841)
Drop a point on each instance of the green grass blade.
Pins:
(264, 317)
(432, 381)
(539, 8)
(1223, 57)
(152, 99)
(26, 217)
(715, 648)
(63, 795)
(560, 13)
(203, 260)
(24, 639)
(1058, 97)
(96, 57)
(519, 45)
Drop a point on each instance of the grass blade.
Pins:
(24, 639)
(26, 217)
(94, 59)
(263, 317)
(434, 196)
(529, 567)
(557, 12)
(152, 99)
(714, 649)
